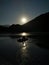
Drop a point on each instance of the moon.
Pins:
(24, 20)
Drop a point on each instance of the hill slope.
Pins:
(39, 24)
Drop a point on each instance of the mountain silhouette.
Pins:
(38, 24)
(3, 29)
(15, 28)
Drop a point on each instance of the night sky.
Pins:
(11, 11)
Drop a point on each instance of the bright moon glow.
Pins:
(24, 20)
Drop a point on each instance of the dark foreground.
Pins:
(35, 51)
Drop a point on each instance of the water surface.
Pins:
(34, 51)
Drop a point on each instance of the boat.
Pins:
(22, 39)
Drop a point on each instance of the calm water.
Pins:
(35, 51)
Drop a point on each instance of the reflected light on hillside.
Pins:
(24, 34)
